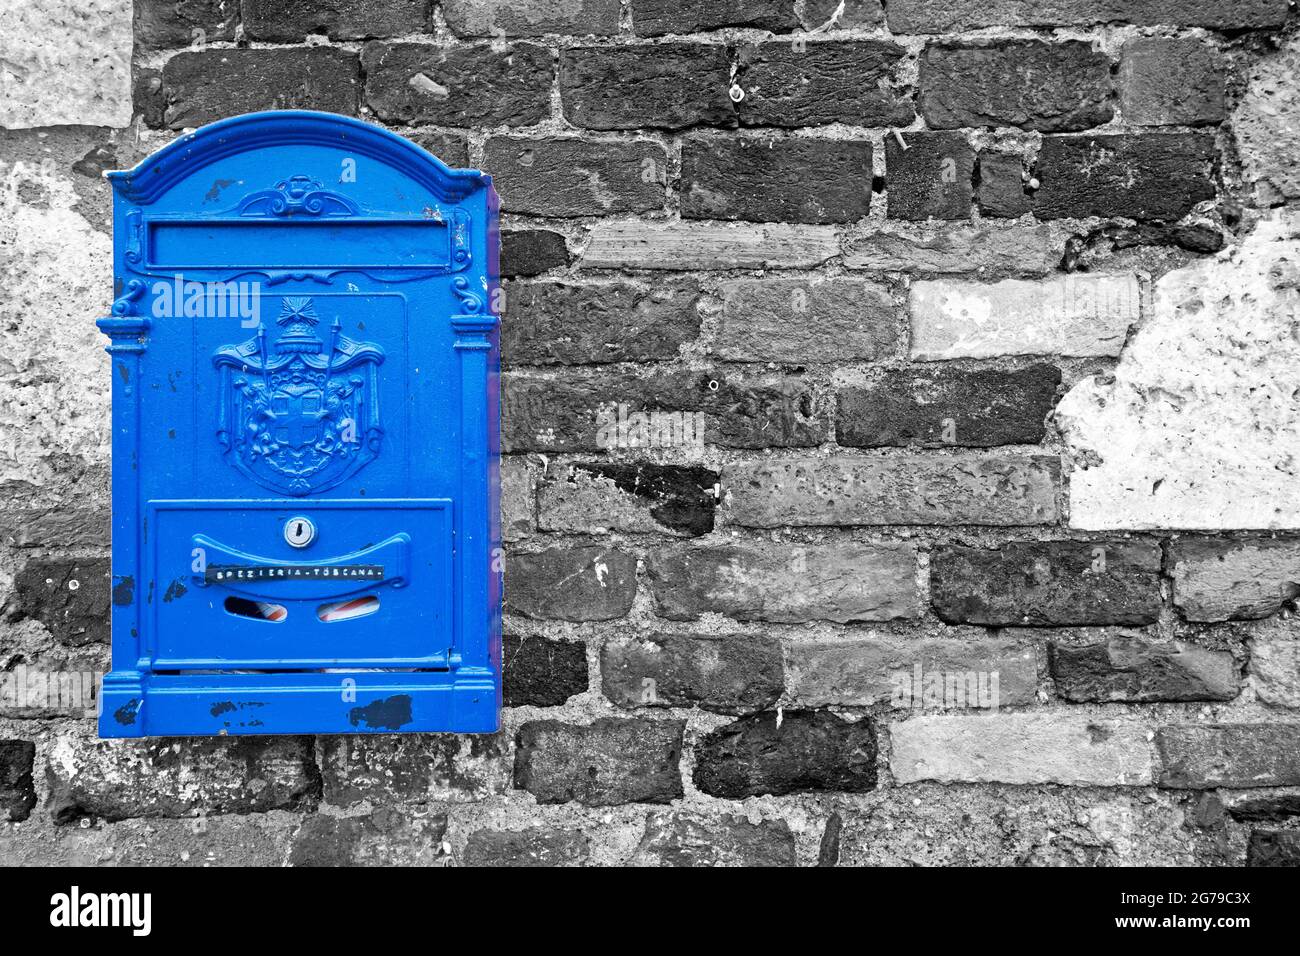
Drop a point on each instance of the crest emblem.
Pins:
(299, 415)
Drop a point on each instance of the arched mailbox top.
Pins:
(181, 158)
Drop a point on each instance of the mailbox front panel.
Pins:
(305, 363)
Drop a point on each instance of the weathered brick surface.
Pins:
(540, 672)
(569, 323)
(796, 321)
(1051, 87)
(485, 18)
(822, 82)
(977, 408)
(571, 176)
(1267, 806)
(1205, 756)
(608, 762)
(926, 16)
(727, 674)
(166, 24)
(679, 838)
(69, 596)
(451, 148)
(538, 846)
(1153, 176)
(931, 177)
(413, 768)
(518, 500)
(657, 17)
(287, 20)
(953, 250)
(530, 252)
(203, 86)
(669, 86)
(680, 409)
(473, 84)
(1275, 661)
(1216, 579)
(178, 777)
(1052, 583)
(571, 584)
(785, 584)
(385, 837)
(995, 490)
(1129, 667)
(595, 497)
(803, 750)
(829, 14)
(1166, 82)
(17, 789)
(1273, 848)
(708, 245)
(1003, 186)
(766, 180)
(1027, 748)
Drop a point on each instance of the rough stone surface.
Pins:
(595, 497)
(451, 148)
(1266, 124)
(567, 323)
(707, 245)
(1193, 430)
(930, 177)
(530, 252)
(994, 490)
(1202, 757)
(17, 789)
(798, 321)
(571, 584)
(1003, 187)
(1050, 87)
(1128, 667)
(284, 21)
(1171, 83)
(819, 15)
(168, 24)
(608, 762)
(785, 584)
(1222, 580)
(954, 249)
(926, 16)
(570, 176)
(1047, 583)
(977, 408)
(385, 837)
(1275, 661)
(657, 17)
(388, 769)
(678, 838)
(727, 674)
(1273, 848)
(787, 753)
(540, 672)
(485, 18)
(66, 63)
(668, 85)
(537, 846)
(518, 500)
(68, 596)
(1079, 315)
(1025, 748)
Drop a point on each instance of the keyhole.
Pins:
(299, 532)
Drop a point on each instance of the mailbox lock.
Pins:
(299, 532)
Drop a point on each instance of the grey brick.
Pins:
(570, 176)
(727, 674)
(823, 82)
(608, 762)
(571, 584)
(668, 85)
(932, 178)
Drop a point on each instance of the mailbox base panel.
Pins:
(331, 703)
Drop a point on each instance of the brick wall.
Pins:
(901, 418)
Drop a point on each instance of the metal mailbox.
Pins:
(305, 366)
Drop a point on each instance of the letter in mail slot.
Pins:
(305, 360)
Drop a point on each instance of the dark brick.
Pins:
(598, 497)
(803, 750)
(1165, 82)
(815, 84)
(949, 16)
(481, 18)
(539, 846)
(599, 412)
(1273, 848)
(565, 323)
(975, 408)
(841, 14)
(1003, 184)
(384, 837)
(209, 85)
(539, 672)
(451, 148)
(70, 596)
(1051, 87)
(465, 85)
(17, 789)
(727, 674)
(678, 838)
(828, 853)
(608, 762)
(1133, 669)
(530, 252)
(1152, 176)
(657, 17)
(932, 178)
(181, 776)
(169, 24)
(1208, 756)
(667, 86)
(766, 180)
(1047, 583)
(386, 769)
(571, 584)
(576, 177)
(289, 20)
(147, 96)
(1271, 808)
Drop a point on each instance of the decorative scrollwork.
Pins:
(470, 302)
(297, 195)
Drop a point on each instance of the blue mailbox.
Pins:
(305, 366)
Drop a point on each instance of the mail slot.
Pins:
(305, 362)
